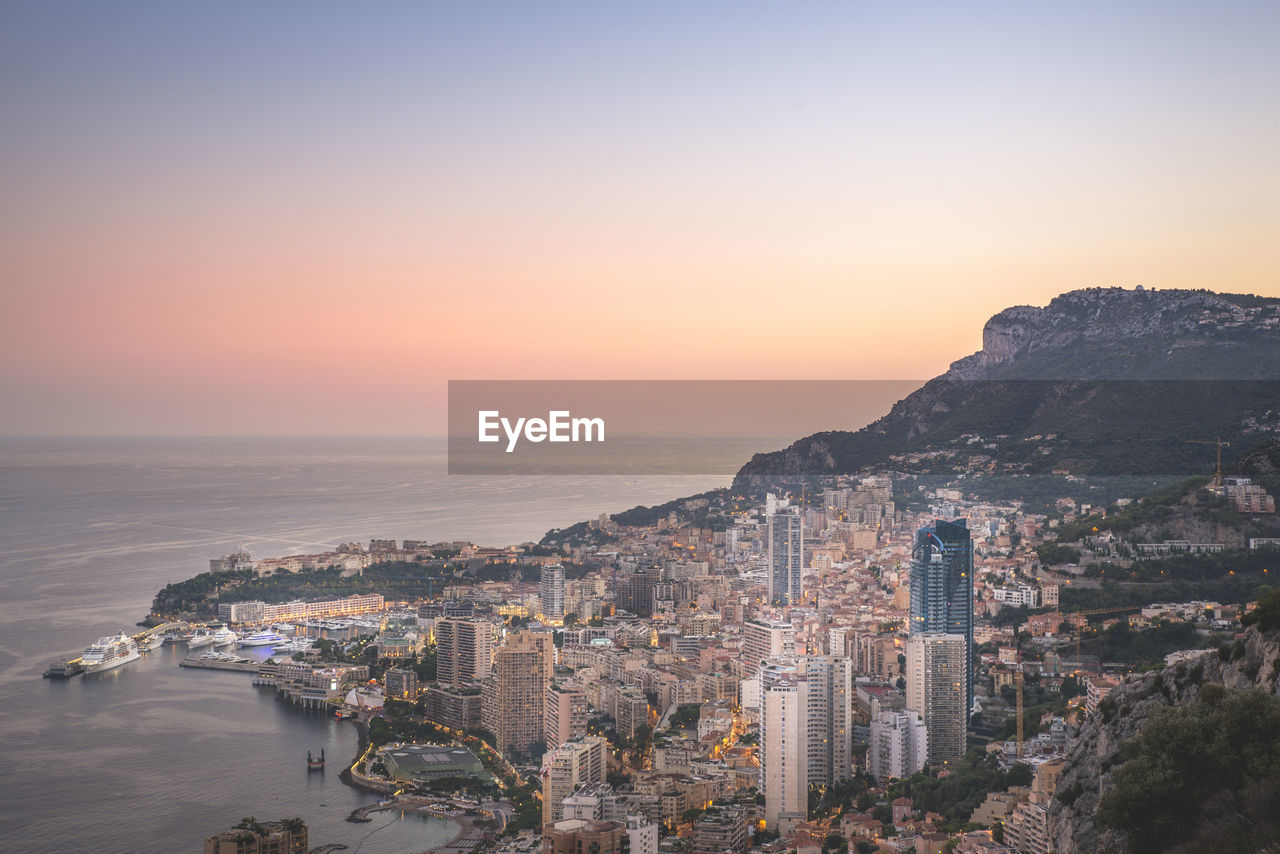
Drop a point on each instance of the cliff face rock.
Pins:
(1249, 664)
(1100, 317)
(1070, 368)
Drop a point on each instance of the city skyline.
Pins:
(305, 220)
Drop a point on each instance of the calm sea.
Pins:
(153, 757)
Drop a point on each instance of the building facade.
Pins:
(580, 762)
(464, 651)
(564, 714)
(936, 690)
(551, 593)
(515, 694)
(806, 732)
(898, 745)
(786, 556)
(942, 587)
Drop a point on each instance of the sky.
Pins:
(306, 218)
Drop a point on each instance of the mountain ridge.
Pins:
(1107, 371)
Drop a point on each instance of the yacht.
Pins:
(295, 645)
(267, 638)
(224, 636)
(106, 653)
(150, 642)
(199, 638)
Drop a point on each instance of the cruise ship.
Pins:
(106, 653)
(224, 636)
(264, 639)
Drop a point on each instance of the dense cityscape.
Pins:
(873, 665)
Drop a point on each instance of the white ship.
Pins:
(106, 653)
(150, 642)
(224, 636)
(264, 639)
(199, 638)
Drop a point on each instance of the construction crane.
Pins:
(1017, 683)
(1217, 474)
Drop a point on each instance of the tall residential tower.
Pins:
(942, 588)
(786, 556)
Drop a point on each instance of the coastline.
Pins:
(464, 824)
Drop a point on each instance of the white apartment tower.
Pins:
(936, 688)
(551, 593)
(805, 728)
(898, 745)
(572, 764)
(763, 639)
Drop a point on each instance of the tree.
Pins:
(1267, 615)
(1202, 775)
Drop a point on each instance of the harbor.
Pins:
(127, 648)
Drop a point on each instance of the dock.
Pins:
(214, 664)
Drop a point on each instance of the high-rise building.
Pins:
(455, 708)
(763, 639)
(564, 714)
(634, 591)
(805, 730)
(581, 761)
(786, 556)
(514, 696)
(898, 745)
(783, 732)
(464, 651)
(942, 587)
(401, 685)
(936, 689)
(551, 593)
(631, 711)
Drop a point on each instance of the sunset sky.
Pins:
(305, 218)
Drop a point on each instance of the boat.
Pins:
(264, 639)
(294, 645)
(224, 636)
(146, 643)
(110, 652)
(64, 670)
(199, 638)
(315, 763)
(228, 657)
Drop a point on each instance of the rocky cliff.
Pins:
(1093, 758)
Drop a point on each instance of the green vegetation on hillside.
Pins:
(1232, 590)
(1267, 615)
(1203, 776)
(1120, 643)
(958, 794)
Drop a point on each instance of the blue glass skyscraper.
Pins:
(942, 587)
